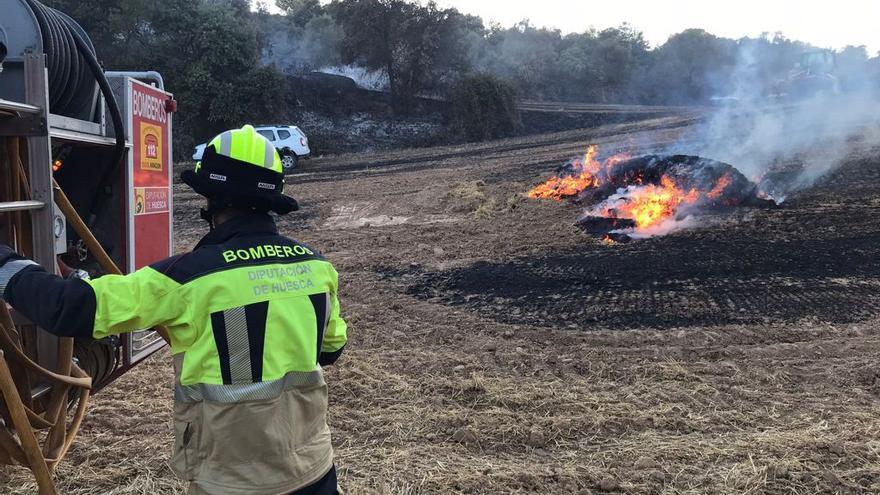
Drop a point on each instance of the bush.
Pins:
(484, 107)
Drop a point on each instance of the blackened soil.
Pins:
(815, 258)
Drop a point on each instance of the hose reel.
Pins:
(43, 397)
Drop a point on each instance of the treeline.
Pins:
(227, 62)
(207, 50)
(422, 48)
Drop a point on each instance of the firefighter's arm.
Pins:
(336, 336)
(62, 307)
(143, 299)
(108, 305)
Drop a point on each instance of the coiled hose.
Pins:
(73, 71)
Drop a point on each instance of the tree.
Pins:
(218, 77)
(414, 44)
(207, 50)
(117, 32)
(619, 57)
(544, 64)
(300, 12)
(688, 67)
(852, 63)
(529, 56)
(484, 107)
(872, 74)
(295, 49)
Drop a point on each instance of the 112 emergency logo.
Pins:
(151, 147)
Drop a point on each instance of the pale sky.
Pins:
(830, 24)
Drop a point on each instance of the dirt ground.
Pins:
(496, 349)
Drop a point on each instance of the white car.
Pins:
(291, 143)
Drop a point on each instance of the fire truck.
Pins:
(85, 188)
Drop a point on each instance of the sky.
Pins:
(828, 24)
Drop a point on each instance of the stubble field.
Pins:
(496, 349)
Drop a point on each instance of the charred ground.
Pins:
(813, 257)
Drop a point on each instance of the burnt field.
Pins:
(496, 348)
(813, 257)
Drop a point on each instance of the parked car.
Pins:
(291, 143)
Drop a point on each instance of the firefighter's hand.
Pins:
(68, 272)
(10, 264)
(6, 254)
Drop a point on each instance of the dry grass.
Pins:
(125, 442)
(470, 197)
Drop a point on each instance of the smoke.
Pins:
(298, 49)
(804, 124)
(375, 80)
(668, 226)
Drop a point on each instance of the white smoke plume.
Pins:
(758, 129)
(668, 226)
(375, 80)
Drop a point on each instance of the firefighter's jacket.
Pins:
(252, 316)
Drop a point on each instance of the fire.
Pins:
(646, 205)
(719, 188)
(587, 175)
(558, 188)
(639, 201)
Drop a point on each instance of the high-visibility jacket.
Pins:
(252, 316)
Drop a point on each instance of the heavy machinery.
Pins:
(814, 75)
(85, 187)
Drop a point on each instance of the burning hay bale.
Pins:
(647, 195)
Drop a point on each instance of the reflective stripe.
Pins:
(9, 270)
(269, 159)
(248, 145)
(240, 335)
(239, 348)
(226, 143)
(248, 391)
(237, 142)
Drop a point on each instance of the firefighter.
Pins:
(252, 317)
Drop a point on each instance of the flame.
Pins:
(587, 175)
(646, 205)
(719, 188)
(649, 207)
(562, 187)
(652, 204)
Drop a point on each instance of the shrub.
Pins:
(484, 107)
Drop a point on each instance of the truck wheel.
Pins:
(289, 160)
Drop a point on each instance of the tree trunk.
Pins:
(393, 87)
